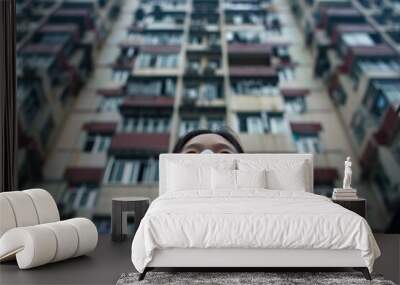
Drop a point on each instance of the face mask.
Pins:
(207, 151)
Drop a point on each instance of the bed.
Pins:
(247, 211)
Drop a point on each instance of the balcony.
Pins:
(139, 143)
(100, 127)
(69, 28)
(78, 175)
(270, 73)
(80, 16)
(366, 52)
(351, 28)
(240, 49)
(330, 17)
(134, 105)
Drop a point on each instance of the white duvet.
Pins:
(250, 219)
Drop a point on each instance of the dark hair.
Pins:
(226, 134)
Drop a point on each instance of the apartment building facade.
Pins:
(356, 50)
(169, 67)
(57, 44)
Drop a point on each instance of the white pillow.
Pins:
(230, 180)
(223, 179)
(251, 178)
(184, 178)
(281, 174)
(187, 174)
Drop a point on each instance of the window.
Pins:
(379, 106)
(132, 171)
(127, 53)
(82, 196)
(96, 143)
(286, 74)
(382, 94)
(277, 124)
(188, 125)
(158, 60)
(167, 61)
(162, 38)
(120, 75)
(358, 39)
(153, 87)
(211, 91)
(146, 125)
(192, 91)
(195, 39)
(213, 63)
(295, 104)
(379, 65)
(253, 87)
(358, 125)
(282, 52)
(251, 123)
(193, 66)
(308, 143)
(215, 123)
(110, 104)
(260, 123)
(243, 37)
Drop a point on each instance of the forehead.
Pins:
(208, 140)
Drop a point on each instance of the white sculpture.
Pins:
(347, 174)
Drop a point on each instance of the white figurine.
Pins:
(347, 174)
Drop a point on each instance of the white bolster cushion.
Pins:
(22, 207)
(87, 235)
(33, 246)
(45, 205)
(40, 244)
(7, 219)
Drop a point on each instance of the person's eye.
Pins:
(225, 151)
(191, 151)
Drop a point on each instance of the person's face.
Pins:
(216, 143)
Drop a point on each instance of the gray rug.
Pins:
(228, 278)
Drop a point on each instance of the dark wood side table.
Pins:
(121, 208)
(358, 206)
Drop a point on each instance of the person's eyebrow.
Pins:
(224, 145)
(193, 145)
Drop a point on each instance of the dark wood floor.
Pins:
(110, 260)
(103, 266)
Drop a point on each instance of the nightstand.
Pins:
(358, 206)
(123, 206)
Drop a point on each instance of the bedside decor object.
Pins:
(346, 193)
(357, 205)
(31, 231)
(121, 208)
(347, 174)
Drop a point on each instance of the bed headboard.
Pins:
(211, 159)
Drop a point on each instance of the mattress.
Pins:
(252, 219)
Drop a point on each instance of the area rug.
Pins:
(273, 278)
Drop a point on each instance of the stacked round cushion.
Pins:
(31, 230)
